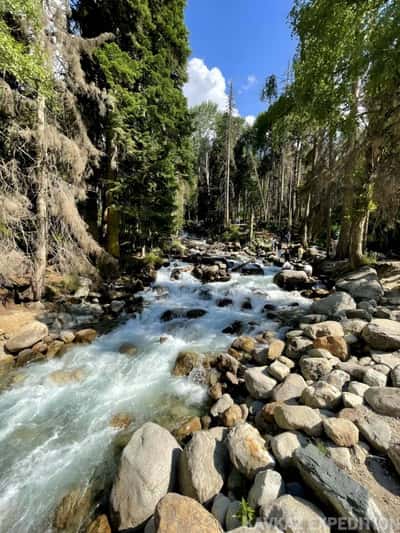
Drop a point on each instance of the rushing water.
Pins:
(54, 437)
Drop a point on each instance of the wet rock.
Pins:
(236, 328)
(291, 279)
(117, 306)
(73, 510)
(146, 473)
(85, 336)
(203, 466)
(26, 337)
(363, 284)
(290, 389)
(336, 345)
(259, 383)
(247, 450)
(341, 431)
(195, 313)
(244, 344)
(65, 377)
(224, 302)
(128, 348)
(27, 356)
(215, 391)
(321, 395)
(382, 334)
(295, 515)
(324, 329)
(67, 336)
(333, 304)
(54, 348)
(284, 445)
(186, 362)
(7, 362)
(100, 525)
(384, 400)
(252, 269)
(179, 513)
(333, 486)
(267, 486)
(298, 417)
(121, 421)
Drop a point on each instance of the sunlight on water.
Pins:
(56, 436)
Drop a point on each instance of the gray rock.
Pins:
(353, 326)
(259, 383)
(27, 336)
(389, 359)
(295, 515)
(219, 508)
(203, 466)
(358, 388)
(384, 400)
(395, 376)
(351, 400)
(290, 389)
(394, 456)
(334, 487)
(373, 378)
(268, 485)
(231, 519)
(296, 346)
(146, 474)
(321, 395)
(362, 284)
(278, 370)
(291, 279)
(247, 450)
(360, 314)
(375, 430)
(341, 456)
(314, 368)
(337, 378)
(382, 334)
(333, 304)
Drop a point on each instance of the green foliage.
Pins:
(246, 514)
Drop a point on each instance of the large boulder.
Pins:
(27, 336)
(176, 513)
(259, 383)
(203, 466)
(268, 485)
(337, 346)
(290, 389)
(186, 362)
(324, 329)
(382, 334)
(333, 304)
(334, 487)
(291, 279)
(146, 473)
(298, 417)
(295, 515)
(248, 450)
(384, 400)
(363, 284)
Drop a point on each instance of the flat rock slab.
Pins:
(384, 400)
(27, 336)
(333, 304)
(363, 284)
(335, 488)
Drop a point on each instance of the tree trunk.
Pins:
(357, 241)
(40, 259)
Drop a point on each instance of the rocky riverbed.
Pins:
(235, 403)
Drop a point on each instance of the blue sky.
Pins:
(239, 40)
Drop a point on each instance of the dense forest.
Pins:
(101, 157)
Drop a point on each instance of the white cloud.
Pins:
(205, 85)
(250, 119)
(251, 80)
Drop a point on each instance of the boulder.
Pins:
(175, 513)
(324, 329)
(297, 345)
(291, 279)
(341, 456)
(221, 405)
(290, 389)
(353, 326)
(267, 486)
(232, 416)
(337, 378)
(295, 515)
(219, 507)
(100, 525)
(321, 395)
(258, 383)
(85, 336)
(358, 388)
(188, 428)
(247, 450)
(363, 284)
(278, 370)
(335, 488)
(232, 520)
(244, 344)
(333, 304)
(27, 336)
(203, 466)
(73, 510)
(382, 334)
(395, 376)
(127, 348)
(314, 368)
(275, 349)
(375, 430)
(351, 400)
(341, 431)
(384, 400)
(374, 378)
(284, 445)
(298, 417)
(147, 472)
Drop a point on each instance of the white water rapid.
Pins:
(55, 436)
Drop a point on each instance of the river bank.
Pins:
(224, 356)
